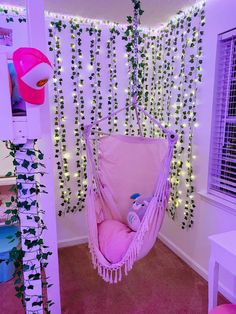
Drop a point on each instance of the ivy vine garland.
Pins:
(95, 75)
(168, 58)
(112, 100)
(31, 255)
(76, 32)
(13, 14)
(169, 74)
(61, 153)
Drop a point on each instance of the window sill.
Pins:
(218, 202)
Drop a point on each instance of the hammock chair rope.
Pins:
(135, 63)
(146, 235)
(113, 273)
(135, 80)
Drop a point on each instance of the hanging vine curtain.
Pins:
(92, 71)
(171, 93)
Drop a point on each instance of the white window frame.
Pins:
(220, 120)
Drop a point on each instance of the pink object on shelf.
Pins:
(33, 71)
(114, 239)
(224, 309)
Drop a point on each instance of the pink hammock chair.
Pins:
(125, 165)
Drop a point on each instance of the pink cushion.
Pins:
(224, 309)
(114, 239)
(128, 165)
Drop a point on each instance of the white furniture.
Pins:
(23, 130)
(5, 184)
(223, 253)
(7, 181)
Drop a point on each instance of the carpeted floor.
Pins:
(161, 283)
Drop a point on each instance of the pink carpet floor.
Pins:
(161, 283)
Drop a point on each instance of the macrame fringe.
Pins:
(113, 273)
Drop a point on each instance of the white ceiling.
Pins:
(156, 11)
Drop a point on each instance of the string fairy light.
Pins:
(61, 154)
(169, 91)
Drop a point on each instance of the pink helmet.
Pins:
(33, 71)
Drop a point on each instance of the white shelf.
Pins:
(7, 181)
(2, 224)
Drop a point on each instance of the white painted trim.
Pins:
(72, 241)
(6, 126)
(218, 202)
(5, 181)
(39, 126)
(195, 266)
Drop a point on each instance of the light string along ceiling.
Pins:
(172, 57)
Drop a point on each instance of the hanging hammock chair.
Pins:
(123, 166)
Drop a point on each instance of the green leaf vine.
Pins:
(76, 32)
(112, 100)
(95, 72)
(12, 15)
(30, 257)
(59, 122)
(169, 71)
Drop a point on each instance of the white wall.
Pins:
(210, 218)
(192, 245)
(72, 227)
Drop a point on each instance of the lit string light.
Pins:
(181, 111)
(61, 154)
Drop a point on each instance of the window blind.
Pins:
(222, 176)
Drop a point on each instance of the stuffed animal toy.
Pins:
(137, 210)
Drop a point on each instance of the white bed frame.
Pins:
(22, 130)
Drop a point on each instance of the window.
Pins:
(222, 175)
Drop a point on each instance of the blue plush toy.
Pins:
(137, 211)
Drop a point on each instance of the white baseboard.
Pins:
(195, 266)
(72, 241)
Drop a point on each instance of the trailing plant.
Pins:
(95, 72)
(169, 71)
(133, 39)
(80, 175)
(112, 100)
(13, 14)
(60, 131)
(168, 84)
(179, 72)
(30, 257)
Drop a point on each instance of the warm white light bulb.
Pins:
(66, 155)
(89, 67)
